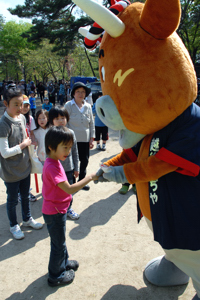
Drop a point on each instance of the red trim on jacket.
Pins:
(185, 167)
(131, 154)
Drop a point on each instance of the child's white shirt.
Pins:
(4, 146)
(40, 137)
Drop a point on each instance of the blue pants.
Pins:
(13, 188)
(71, 180)
(61, 98)
(56, 225)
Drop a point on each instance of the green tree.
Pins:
(78, 61)
(42, 64)
(11, 43)
(189, 29)
(52, 20)
(2, 21)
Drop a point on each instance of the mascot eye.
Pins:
(103, 73)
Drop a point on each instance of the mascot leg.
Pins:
(161, 272)
(175, 269)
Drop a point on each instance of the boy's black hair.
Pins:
(55, 112)
(41, 111)
(57, 135)
(12, 92)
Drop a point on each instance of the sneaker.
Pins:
(72, 214)
(86, 187)
(67, 279)
(32, 198)
(124, 189)
(72, 265)
(32, 223)
(98, 147)
(16, 232)
(104, 147)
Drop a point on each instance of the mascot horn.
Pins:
(149, 86)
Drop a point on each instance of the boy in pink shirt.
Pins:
(57, 192)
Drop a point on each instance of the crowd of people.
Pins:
(63, 136)
(56, 91)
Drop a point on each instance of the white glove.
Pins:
(116, 174)
(100, 179)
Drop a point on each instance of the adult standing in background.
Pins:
(62, 92)
(82, 123)
(41, 89)
(51, 93)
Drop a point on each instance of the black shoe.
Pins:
(67, 279)
(86, 187)
(72, 265)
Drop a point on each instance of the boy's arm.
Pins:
(73, 188)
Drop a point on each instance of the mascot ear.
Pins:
(160, 18)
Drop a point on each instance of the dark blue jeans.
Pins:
(71, 180)
(13, 188)
(61, 98)
(56, 225)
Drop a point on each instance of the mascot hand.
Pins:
(116, 174)
(99, 173)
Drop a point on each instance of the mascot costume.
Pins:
(149, 86)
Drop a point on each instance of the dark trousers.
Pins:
(52, 99)
(41, 96)
(33, 112)
(71, 180)
(13, 188)
(56, 226)
(84, 153)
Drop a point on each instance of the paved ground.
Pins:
(111, 247)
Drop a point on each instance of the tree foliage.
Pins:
(189, 29)
(11, 43)
(52, 20)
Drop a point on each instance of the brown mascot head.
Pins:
(146, 72)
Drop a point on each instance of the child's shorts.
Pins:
(101, 131)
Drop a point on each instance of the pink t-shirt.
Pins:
(55, 199)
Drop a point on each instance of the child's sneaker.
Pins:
(104, 147)
(67, 279)
(72, 265)
(72, 214)
(32, 198)
(32, 223)
(16, 232)
(98, 147)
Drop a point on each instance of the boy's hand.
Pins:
(76, 173)
(91, 144)
(94, 177)
(100, 178)
(25, 143)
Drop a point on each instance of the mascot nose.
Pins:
(108, 113)
(102, 112)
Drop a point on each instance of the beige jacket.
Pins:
(81, 122)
